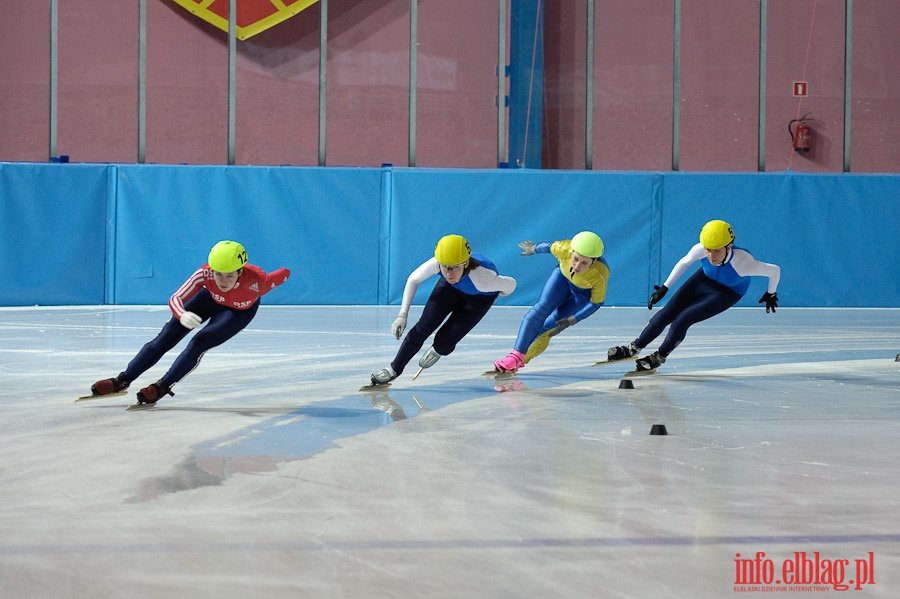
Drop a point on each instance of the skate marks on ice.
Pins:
(866, 371)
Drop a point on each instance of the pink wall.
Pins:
(719, 85)
(805, 42)
(24, 95)
(633, 85)
(367, 92)
(874, 137)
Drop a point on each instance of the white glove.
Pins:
(527, 248)
(189, 320)
(399, 325)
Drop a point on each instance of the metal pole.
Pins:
(589, 91)
(501, 82)
(413, 58)
(142, 82)
(761, 126)
(848, 79)
(323, 62)
(676, 85)
(232, 75)
(54, 73)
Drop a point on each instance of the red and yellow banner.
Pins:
(253, 16)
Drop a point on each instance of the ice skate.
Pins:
(148, 396)
(107, 388)
(650, 362)
(111, 386)
(382, 378)
(429, 358)
(620, 353)
(511, 363)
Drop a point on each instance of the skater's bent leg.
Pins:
(220, 328)
(463, 319)
(554, 293)
(442, 300)
(657, 324)
(171, 333)
(713, 302)
(681, 300)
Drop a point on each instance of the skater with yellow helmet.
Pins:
(468, 286)
(722, 280)
(225, 292)
(575, 289)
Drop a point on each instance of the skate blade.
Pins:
(374, 386)
(640, 372)
(87, 397)
(140, 406)
(605, 362)
(418, 373)
(499, 373)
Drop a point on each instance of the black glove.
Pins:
(771, 300)
(657, 295)
(562, 324)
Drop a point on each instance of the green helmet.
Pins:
(587, 244)
(227, 256)
(716, 234)
(452, 250)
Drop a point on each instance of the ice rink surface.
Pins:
(269, 474)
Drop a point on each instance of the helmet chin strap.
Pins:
(725, 258)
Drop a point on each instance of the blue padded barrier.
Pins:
(53, 227)
(495, 210)
(131, 234)
(320, 223)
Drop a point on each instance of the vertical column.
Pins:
(323, 79)
(413, 58)
(54, 73)
(232, 76)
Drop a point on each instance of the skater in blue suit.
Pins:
(468, 286)
(721, 281)
(575, 289)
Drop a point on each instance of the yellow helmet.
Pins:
(227, 256)
(587, 244)
(452, 249)
(716, 234)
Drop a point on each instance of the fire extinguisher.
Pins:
(801, 134)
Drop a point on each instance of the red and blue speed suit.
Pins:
(228, 313)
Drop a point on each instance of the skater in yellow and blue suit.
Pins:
(575, 290)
